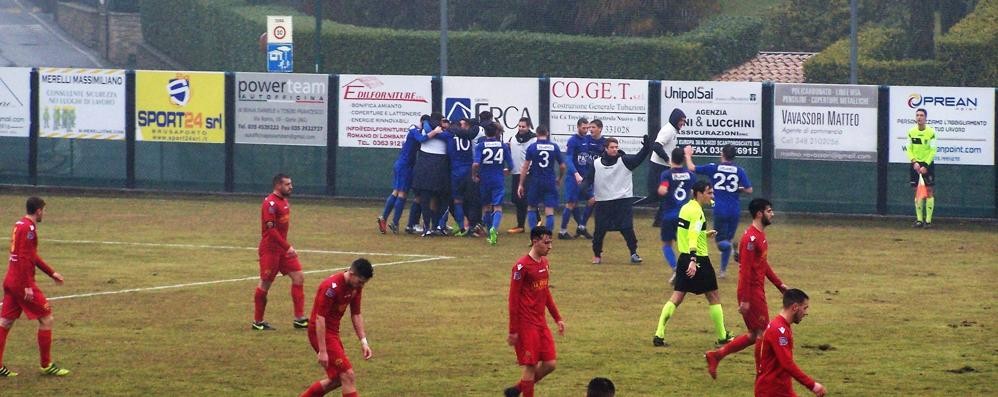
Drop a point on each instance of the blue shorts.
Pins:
(572, 193)
(669, 225)
(542, 192)
(492, 192)
(459, 184)
(403, 177)
(726, 226)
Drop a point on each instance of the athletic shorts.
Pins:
(14, 304)
(338, 361)
(403, 177)
(703, 281)
(726, 226)
(534, 344)
(572, 193)
(668, 228)
(492, 192)
(272, 263)
(757, 317)
(541, 193)
(929, 177)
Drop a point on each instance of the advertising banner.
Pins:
(376, 111)
(717, 114)
(281, 109)
(81, 103)
(15, 92)
(507, 98)
(963, 117)
(825, 122)
(180, 106)
(622, 106)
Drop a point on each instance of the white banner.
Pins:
(622, 106)
(963, 117)
(81, 103)
(825, 122)
(377, 110)
(507, 98)
(717, 114)
(15, 92)
(276, 109)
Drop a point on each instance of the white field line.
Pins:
(229, 247)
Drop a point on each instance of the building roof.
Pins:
(778, 67)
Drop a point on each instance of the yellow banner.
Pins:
(180, 106)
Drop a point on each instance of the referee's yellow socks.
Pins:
(919, 206)
(717, 316)
(667, 311)
(930, 204)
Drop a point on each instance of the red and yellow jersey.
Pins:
(753, 269)
(529, 294)
(332, 299)
(774, 361)
(24, 255)
(275, 220)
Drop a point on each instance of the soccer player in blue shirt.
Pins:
(728, 180)
(538, 167)
(490, 167)
(578, 161)
(402, 180)
(460, 151)
(675, 188)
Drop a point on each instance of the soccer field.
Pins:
(894, 310)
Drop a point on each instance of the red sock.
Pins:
(3, 342)
(45, 346)
(298, 298)
(260, 303)
(354, 394)
(526, 387)
(736, 345)
(313, 391)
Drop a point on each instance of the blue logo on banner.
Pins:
(180, 91)
(280, 58)
(458, 108)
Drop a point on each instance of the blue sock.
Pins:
(459, 215)
(399, 207)
(496, 219)
(442, 220)
(549, 221)
(414, 212)
(670, 256)
(586, 215)
(577, 215)
(389, 205)
(531, 220)
(487, 219)
(565, 214)
(725, 247)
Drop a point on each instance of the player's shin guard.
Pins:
(298, 300)
(670, 257)
(725, 247)
(919, 206)
(736, 345)
(526, 387)
(565, 216)
(663, 318)
(717, 317)
(45, 347)
(389, 205)
(259, 304)
(531, 220)
(314, 391)
(3, 342)
(549, 221)
(930, 204)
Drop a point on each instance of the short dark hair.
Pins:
(758, 205)
(926, 112)
(279, 178)
(700, 187)
(792, 296)
(435, 118)
(542, 130)
(491, 130)
(34, 204)
(424, 118)
(728, 151)
(600, 387)
(677, 155)
(610, 140)
(539, 231)
(530, 124)
(362, 267)
(598, 122)
(582, 121)
(485, 115)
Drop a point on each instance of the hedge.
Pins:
(222, 35)
(971, 46)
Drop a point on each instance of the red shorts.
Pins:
(534, 344)
(338, 361)
(14, 304)
(757, 317)
(272, 262)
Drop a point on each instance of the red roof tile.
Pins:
(778, 67)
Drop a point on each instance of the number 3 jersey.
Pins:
(679, 182)
(545, 157)
(726, 178)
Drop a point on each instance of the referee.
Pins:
(694, 273)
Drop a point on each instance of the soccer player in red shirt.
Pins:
(753, 251)
(331, 300)
(528, 329)
(774, 354)
(21, 294)
(277, 255)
